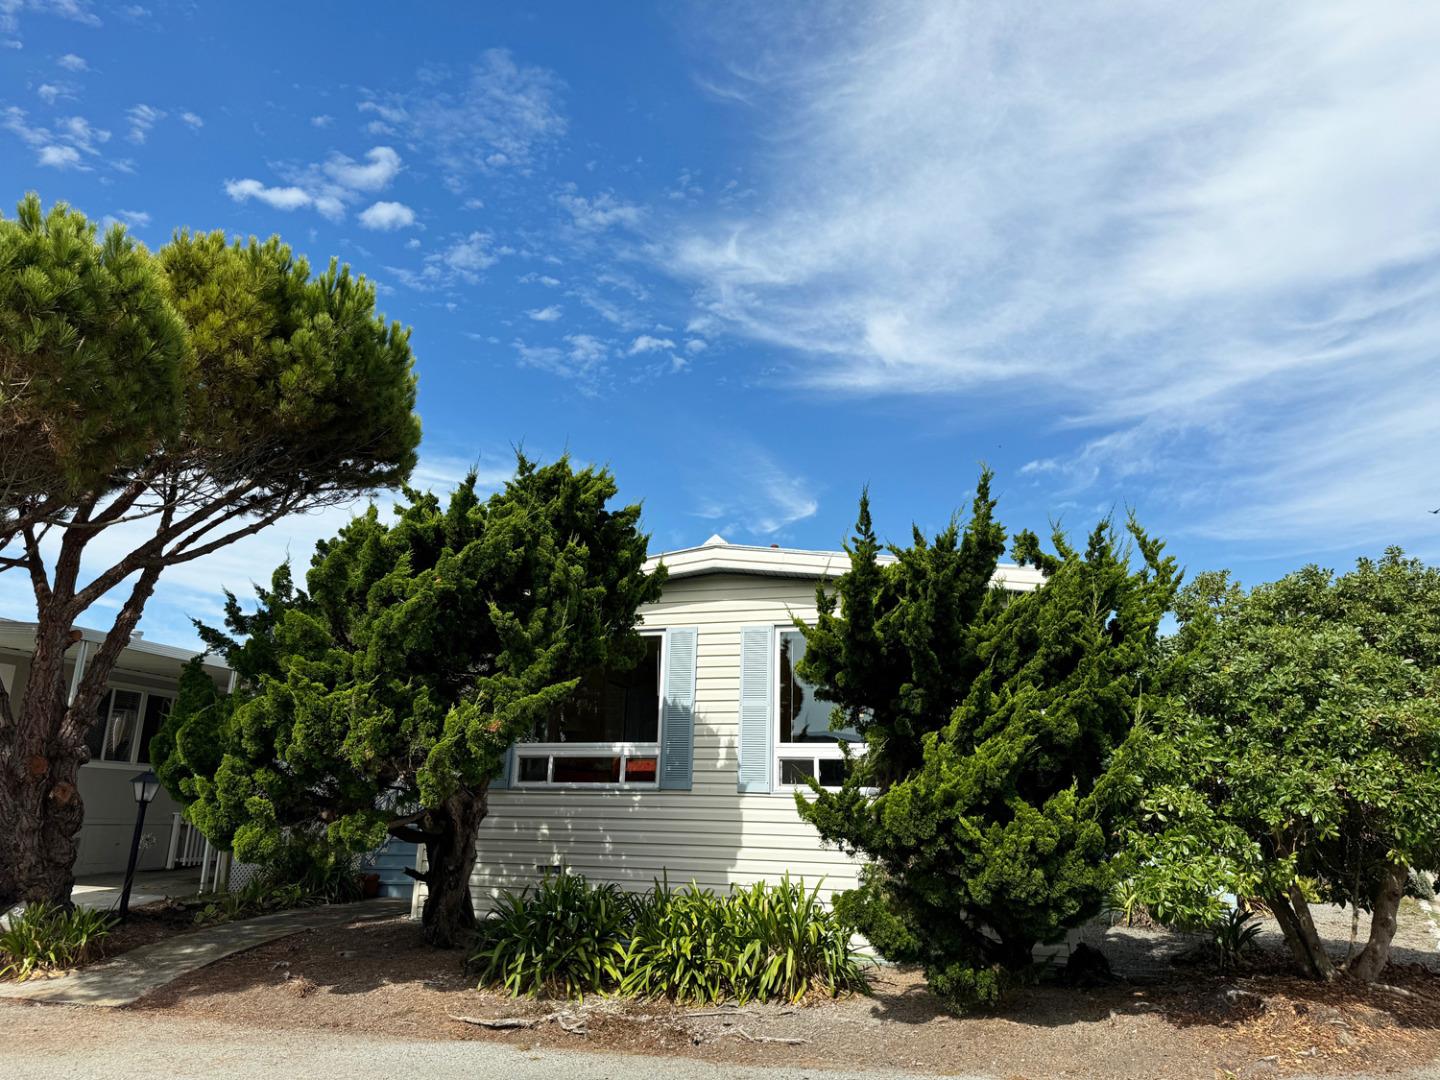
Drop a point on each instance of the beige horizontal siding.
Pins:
(712, 834)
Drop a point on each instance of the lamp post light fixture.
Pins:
(147, 786)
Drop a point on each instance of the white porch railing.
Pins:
(187, 844)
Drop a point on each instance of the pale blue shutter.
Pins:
(503, 780)
(756, 683)
(677, 709)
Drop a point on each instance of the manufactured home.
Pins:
(687, 766)
(684, 767)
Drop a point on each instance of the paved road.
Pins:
(69, 1043)
(65, 1042)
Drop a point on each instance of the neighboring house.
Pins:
(137, 699)
(139, 695)
(687, 766)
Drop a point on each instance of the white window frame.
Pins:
(146, 693)
(623, 750)
(816, 751)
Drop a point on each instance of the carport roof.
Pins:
(141, 655)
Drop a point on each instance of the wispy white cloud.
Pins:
(142, 118)
(549, 313)
(1172, 248)
(586, 349)
(324, 120)
(77, 11)
(381, 165)
(646, 343)
(192, 120)
(473, 253)
(387, 215)
(746, 493)
(59, 157)
(498, 114)
(66, 145)
(71, 62)
(278, 198)
(138, 218)
(328, 188)
(462, 259)
(599, 213)
(582, 358)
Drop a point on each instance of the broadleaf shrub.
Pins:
(765, 942)
(47, 937)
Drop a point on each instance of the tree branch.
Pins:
(97, 672)
(36, 565)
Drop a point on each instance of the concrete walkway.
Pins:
(102, 891)
(137, 972)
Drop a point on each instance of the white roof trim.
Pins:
(136, 645)
(723, 558)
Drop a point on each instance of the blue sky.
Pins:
(1184, 261)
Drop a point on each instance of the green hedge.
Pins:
(765, 942)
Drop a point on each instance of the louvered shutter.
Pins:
(677, 709)
(756, 686)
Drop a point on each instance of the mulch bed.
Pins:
(377, 977)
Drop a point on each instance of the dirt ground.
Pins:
(1164, 1016)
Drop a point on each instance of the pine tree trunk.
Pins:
(42, 746)
(448, 916)
(1371, 962)
(40, 807)
(1293, 914)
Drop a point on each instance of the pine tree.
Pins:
(189, 397)
(999, 738)
(385, 696)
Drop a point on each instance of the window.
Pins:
(607, 733)
(125, 722)
(157, 708)
(805, 745)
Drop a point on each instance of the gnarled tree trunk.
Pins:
(1373, 959)
(1292, 912)
(40, 809)
(42, 746)
(448, 833)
